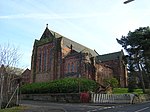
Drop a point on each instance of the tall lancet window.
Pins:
(72, 67)
(50, 58)
(45, 56)
(68, 67)
(40, 61)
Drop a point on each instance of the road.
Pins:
(141, 107)
(40, 106)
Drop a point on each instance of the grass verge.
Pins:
(14, 109)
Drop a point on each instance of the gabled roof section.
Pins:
(50, 34)
(47, 34)
(77, 47)
(110, 56)
(47, 37)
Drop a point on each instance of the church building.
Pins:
(55, 56)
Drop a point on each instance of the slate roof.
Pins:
(110, 56)
(77, 47)
(67, 42)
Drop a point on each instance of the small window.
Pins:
(72, 67)
(68, 67)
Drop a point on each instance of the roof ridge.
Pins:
(111, 53)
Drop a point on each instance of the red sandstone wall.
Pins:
(103, 72)
(26, 75)
(119, 71)
(71, 64)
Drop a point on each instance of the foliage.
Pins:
(137, 45)
(66, 85)
(132, 83)
(113, 82)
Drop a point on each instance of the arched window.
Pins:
(50, 58)
(40, 61)
(77, 66)
(72, 67)
(45, 56)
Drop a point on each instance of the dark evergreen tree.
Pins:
(137, 45)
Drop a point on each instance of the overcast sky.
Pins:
(92, 23)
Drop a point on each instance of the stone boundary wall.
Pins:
(144, 97)
(94, 98)
(58, 97)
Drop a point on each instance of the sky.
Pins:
(93, 23)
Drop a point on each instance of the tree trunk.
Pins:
(141, 77)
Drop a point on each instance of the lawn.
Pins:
(125, 91)
(14, 109)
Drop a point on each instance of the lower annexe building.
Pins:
(55, 56)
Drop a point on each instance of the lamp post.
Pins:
(128, 1)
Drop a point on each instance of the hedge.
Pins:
(66, 85)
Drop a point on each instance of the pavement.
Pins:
(66, 107)
(43, 109)
(34, 108)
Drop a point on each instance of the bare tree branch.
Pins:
(9, 58)
(9, 55)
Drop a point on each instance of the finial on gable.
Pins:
(46, 25)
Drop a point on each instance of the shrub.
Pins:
(112, 81)
(66, 85)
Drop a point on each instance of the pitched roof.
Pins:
(67, 42)
(110, 56)
(47, 34)
(72, 53)
(77, 47)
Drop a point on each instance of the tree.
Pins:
(132, 82)
(137, 45)
(9, 58)
(113, 82)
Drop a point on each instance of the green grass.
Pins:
(120, 90)
(125, 91)
(14, 109)
(138, 91)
